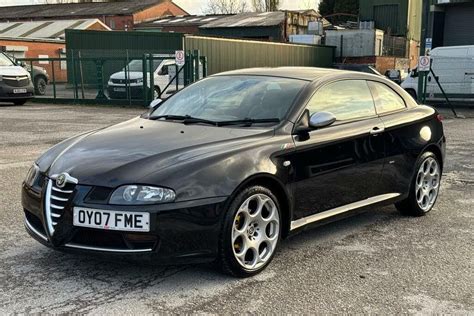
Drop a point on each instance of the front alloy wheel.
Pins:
(251, 232)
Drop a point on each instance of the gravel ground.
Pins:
(377, 262)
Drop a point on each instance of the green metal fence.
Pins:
(229, 54)
(129, 80)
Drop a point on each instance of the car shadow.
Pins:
(81, 281)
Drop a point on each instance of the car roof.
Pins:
(302, 73)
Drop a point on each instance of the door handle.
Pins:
(377, 130)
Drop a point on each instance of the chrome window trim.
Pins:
(340, 210)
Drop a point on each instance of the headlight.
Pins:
(141, 194)
(32, 175)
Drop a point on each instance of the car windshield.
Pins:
(232, 98)
(5, 61)
(137, 65)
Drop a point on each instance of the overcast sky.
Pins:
(192, 6)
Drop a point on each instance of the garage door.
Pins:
(459, 25)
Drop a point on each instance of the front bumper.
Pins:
(184, 232)
(122, 92)
(7, 92)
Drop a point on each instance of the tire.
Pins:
(156, 93)
(250, 232)
(40, 85)
(412, 93)
(19, 102)
(424, 187)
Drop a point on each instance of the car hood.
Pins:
(131, 151)
(130, 75)
(12, 71)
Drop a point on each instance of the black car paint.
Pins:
(207, 165)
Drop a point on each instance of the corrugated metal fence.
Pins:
(229, 54)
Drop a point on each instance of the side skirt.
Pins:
(341, 209)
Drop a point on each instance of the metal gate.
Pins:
(130, 80)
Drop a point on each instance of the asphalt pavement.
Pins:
(378, 262)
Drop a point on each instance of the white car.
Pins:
(131, 79)
(15, 82)
(454, 67)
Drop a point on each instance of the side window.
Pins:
(386, 100)
(164, 70)
(346, 99)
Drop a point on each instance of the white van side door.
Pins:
(469, 74)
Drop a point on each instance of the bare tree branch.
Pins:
(226, 6)
(266, 5)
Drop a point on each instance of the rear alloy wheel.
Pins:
(251, 232)
(424, 187)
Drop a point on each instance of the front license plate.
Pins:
(120, 89)
(19, 90)
(112, 220)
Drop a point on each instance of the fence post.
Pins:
(152, 79)
(145, 81)
(196, 61)
(99, 63)
(54, 78)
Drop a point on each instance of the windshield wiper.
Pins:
(187, 119)
(248, 121)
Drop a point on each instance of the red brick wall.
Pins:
(162, 9)
(52, 50)
(382, 63)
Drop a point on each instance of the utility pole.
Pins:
(424, 30)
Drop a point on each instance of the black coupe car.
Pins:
(227, 167)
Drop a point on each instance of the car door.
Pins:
(398, 135)
(342, 163)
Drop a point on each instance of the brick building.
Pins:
(118, 15)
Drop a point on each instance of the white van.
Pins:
(131, 78)
(454, 67)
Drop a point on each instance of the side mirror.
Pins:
(321, 119)
(155, 103)
(317, 120)
(414, 73)
(21, 63)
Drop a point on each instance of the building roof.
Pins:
(45, 29)
(48, 11)
(252, 19)
(188, 20)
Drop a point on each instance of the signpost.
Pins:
(428, 45)
(180, 58)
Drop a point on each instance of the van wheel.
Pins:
(156, 93)
(412, 93)
(19, 102)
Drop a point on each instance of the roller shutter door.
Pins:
(459, 25)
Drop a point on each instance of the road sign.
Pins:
(180, 58)
(428, 45)
(424, 63)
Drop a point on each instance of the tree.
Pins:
(327, 7)
(226, 6)
(265, 5)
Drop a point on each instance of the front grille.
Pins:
(20, 81)
(57, 198)
(119, 81)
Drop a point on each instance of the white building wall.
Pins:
(356, 43)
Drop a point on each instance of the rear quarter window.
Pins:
(386, 99)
